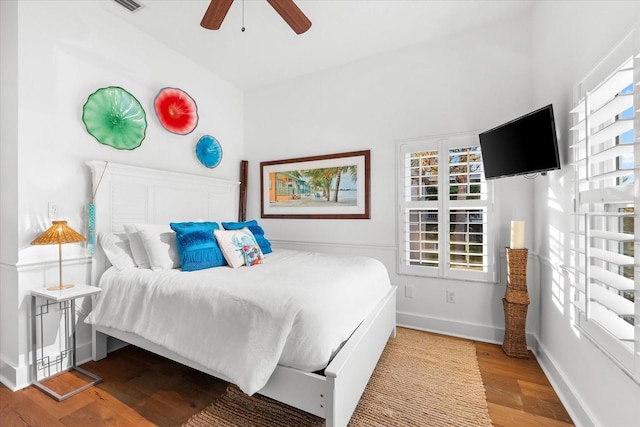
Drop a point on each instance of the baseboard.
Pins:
(14, 378)
(578, 413)
(8, 383)
(83, 353)
(455, 328)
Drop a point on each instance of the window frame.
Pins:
(444, 206)
(598, 205)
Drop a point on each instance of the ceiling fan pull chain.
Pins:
(242, 16)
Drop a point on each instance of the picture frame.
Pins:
(305, 187)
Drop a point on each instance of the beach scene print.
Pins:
(320, 187)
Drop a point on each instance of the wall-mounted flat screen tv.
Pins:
(525, 145)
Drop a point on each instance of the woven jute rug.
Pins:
(421, 380)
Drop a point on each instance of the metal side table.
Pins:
(66, 299)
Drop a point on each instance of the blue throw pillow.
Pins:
(255, 229)
(197, 246)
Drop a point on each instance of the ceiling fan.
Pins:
(287, 9)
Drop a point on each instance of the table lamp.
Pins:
(59, 233)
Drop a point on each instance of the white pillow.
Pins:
(137, 248)
(232, 244)
(159, 241)
(117, 249)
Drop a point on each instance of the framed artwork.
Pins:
(332, 186)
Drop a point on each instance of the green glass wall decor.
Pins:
(115, 117)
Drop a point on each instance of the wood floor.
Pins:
(142, 389)
(518, 392)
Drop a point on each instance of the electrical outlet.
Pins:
(451, 297)
(54, 211)
(408, 291)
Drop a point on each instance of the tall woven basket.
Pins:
(515, 304)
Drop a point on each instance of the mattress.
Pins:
(295, 309)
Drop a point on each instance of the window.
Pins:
(606, 202)
(445, 206)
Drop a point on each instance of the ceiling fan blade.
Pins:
(292, 15)
(215, 14)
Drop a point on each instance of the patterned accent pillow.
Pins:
(252, 254)
(197, 247)
(256, 230)
(233, 244)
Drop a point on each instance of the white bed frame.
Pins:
(130, 194)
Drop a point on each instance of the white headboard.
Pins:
(126, 194)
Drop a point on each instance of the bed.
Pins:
(331, 389)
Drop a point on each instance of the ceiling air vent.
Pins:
(130, 5)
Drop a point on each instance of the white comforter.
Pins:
(295, 309)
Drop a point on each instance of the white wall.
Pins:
(8, 182)
(65, 50)
(570, 39)
(470, 82)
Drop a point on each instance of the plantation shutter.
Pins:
(443, 202)
(605, 222)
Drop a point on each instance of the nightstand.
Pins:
(66, 299)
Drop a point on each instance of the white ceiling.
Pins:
(342, 31)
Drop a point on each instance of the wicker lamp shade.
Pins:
(58, 234)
